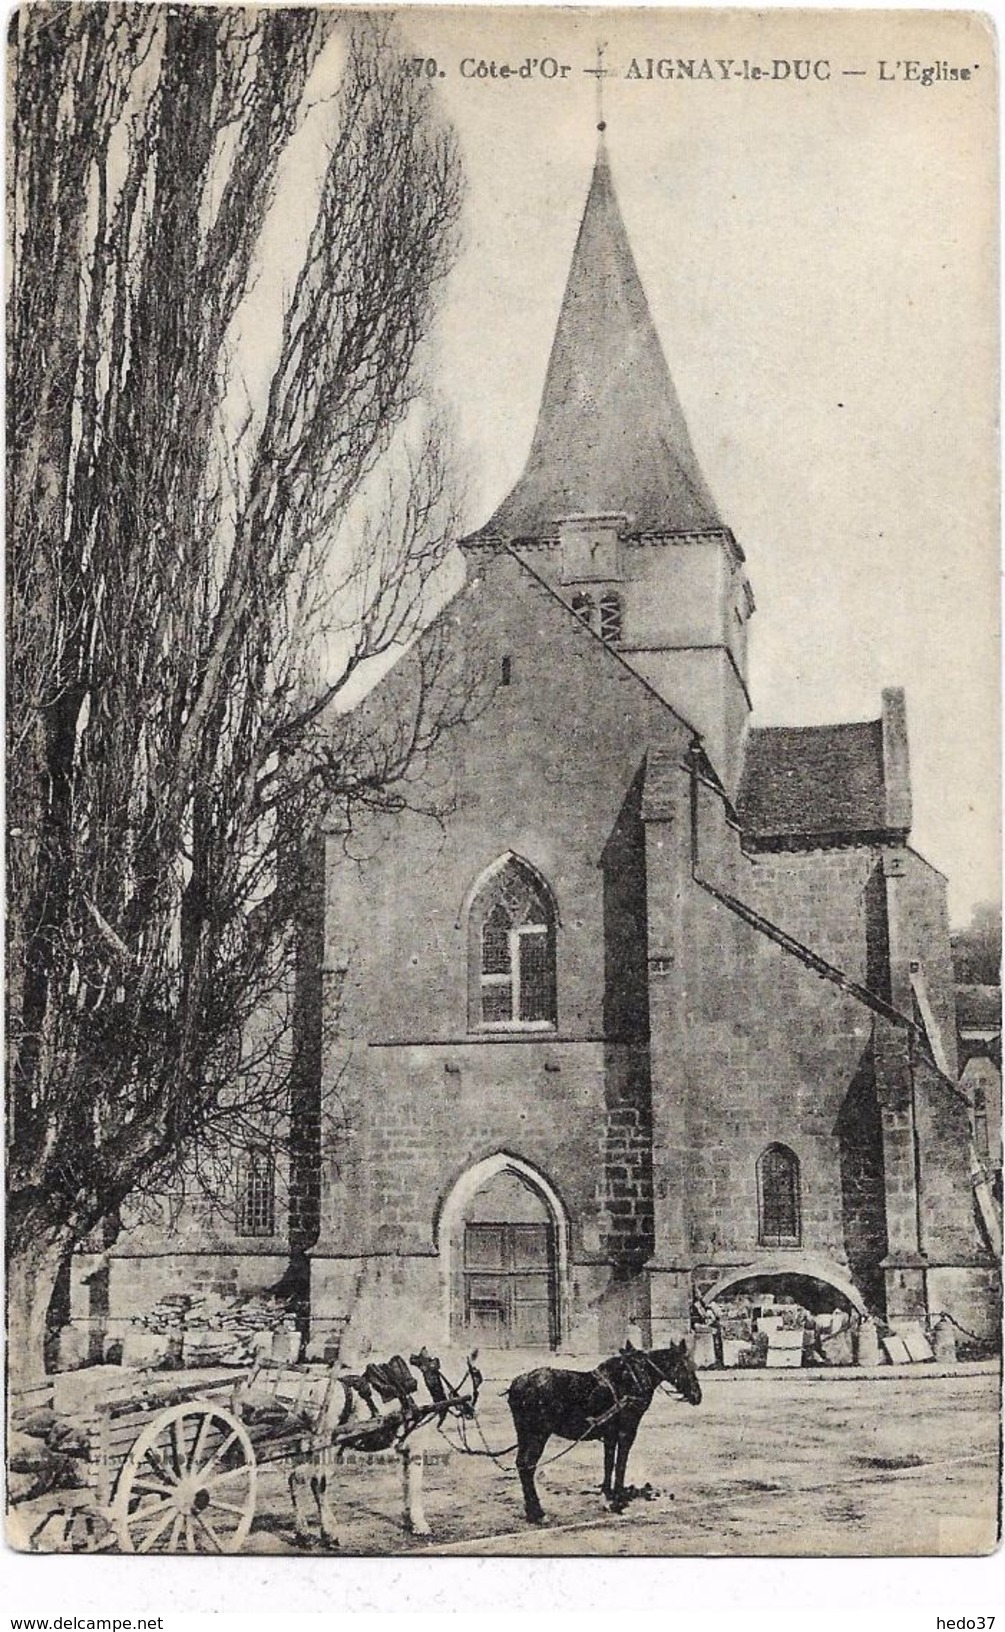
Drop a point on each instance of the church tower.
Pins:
(612, 507)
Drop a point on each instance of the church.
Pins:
(667, 1005)
(663, 1005)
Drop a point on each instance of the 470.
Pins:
(423, 68)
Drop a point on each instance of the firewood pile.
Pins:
(186, 1330)
(44, 1453)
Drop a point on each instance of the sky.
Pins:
(820, 259)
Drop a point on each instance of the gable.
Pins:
(511, 669)
(565, 696)
(547, 767)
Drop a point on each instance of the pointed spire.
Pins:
(611, 434)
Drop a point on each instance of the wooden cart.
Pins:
(174, 1469)
(176, 1474)
(170, 1467)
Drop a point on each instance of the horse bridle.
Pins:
(626, 1399)
(455, 1400)
(644, 1354)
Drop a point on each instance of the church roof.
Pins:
(979, 1007)
(813, 782)
(611, 435)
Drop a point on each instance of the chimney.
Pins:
(896, 761)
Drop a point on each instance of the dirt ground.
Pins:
(767, 1464)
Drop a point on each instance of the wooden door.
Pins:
(509, 1285)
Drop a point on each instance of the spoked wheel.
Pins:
(188, 1484)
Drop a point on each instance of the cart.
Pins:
(174, 1469)
(169, 1468)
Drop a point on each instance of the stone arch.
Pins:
(453, 1216)
(487, 873)
(808, 1265)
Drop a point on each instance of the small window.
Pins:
(583, 607)
(256, 1197)
(610, 618)
(507, 670)
(513, 948)
(778, 1201)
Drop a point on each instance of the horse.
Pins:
(607, 1403)
(353, 1421)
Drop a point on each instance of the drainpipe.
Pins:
(919, 1228)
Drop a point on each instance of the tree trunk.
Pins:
(31, 1276)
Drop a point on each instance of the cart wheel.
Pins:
(188, 1484)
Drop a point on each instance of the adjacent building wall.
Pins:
(749, 1048)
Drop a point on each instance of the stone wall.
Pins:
(750, 1047)
(688, 1039)
(949, 1230)
(423, 1097)
(108, 1295)
(919, 941)
(972, 1296)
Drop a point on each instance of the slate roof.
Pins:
(813, 782)
(611, 435)
(978, 1007)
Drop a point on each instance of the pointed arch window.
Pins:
(512, 951)
(779, 1214)
(610, 618)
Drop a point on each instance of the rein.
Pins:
(664, 1382)
(454, 1404)
(614, 1410)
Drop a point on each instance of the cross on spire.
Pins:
(599, 74)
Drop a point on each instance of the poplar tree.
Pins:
(193, 588)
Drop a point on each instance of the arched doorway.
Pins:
(503, 1236)
(812, 1281)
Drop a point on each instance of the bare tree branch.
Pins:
(192, 589)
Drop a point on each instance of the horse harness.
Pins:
(620, 1401)
(641, 1398)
